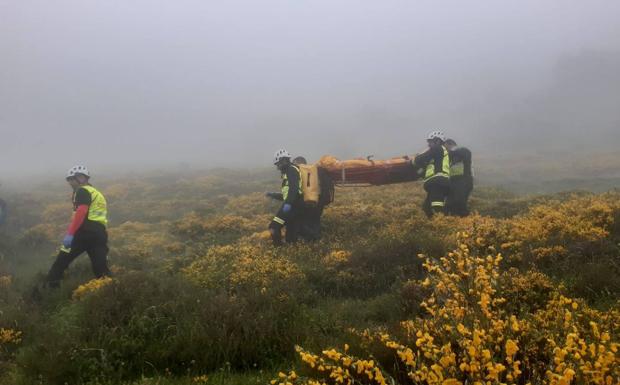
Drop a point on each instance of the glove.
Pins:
(67, 241)
(286, 208)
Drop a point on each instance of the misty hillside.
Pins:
(199, 294)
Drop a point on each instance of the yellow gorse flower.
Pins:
(90, 287)
(468, 336)
(10, 336)
(5, 281)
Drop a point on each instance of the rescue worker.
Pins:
(291, 195)
(87, 231)
(435, 164)
(310, 221)
(461, 179)
(300, 160)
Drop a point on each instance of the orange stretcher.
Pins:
(368, 171)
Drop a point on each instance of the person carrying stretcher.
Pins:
(291, 195)
(435, 165)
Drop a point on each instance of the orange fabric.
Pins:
(330, 163)
(364, 171)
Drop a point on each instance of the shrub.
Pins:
(469, 336)
(139, 323)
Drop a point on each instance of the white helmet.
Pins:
(437, 134)
(280, 154)
(73, 171)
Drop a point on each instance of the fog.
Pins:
(122, 85)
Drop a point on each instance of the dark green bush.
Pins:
(143, 323)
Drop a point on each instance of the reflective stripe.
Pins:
(440, 175)
(285, 190)
(278, 220)
(457, 169)
(98, 209)
(431, 170)
(437, 204)
(285, 186)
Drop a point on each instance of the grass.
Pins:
(221, 377)
(196, 280)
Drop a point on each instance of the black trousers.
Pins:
(310, 228)
(460, 189)
(437, 190)
(94, 243)
(292, 222)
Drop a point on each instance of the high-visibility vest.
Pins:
(444, 171)
(98, 209)
(285, 184)
(457, 169)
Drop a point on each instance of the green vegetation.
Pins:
(199, 290)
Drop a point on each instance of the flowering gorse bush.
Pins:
(10, 339)
(467, 335)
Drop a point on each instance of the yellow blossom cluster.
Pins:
(246, 266)
(582, 348)
(547, 230)
(468, 335)
(285, 379)
(526, 291)
(90, 287)
(196, 226)
(10, 336)
(336, 258)
(5, 281)
(263, 271)
(200, 379)
(335, 367)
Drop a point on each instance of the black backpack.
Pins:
(327, 187)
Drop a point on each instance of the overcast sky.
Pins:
(128, 83)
